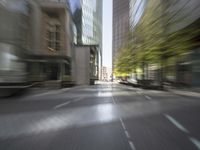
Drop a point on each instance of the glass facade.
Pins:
(87, 16)
(137, 8)
(120, 25)
(182, 14)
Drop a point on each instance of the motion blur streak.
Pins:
(56, 95)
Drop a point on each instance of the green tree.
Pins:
(150, 41)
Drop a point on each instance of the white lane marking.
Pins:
(147, 97)
(46, 93)
(110, 94)
(127, 134)
(65, 89)
(113, 99)
(131, 145)
(195, 142)
(176, 123)
(125, 130)
(61, 105)
(78, 99)
(123, 125)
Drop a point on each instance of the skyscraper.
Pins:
(120, 24)
(87, 17)
(136, 9)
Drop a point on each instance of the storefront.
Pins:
(49, 68)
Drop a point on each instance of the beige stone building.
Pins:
(52, 42)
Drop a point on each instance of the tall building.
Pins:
(184, 19)
(181, 21)
(136, 10)
(120, 25)
(87, 17)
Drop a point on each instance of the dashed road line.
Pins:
(78, 99)
(195, 142)
(122, 123)
(67, 103)
(61, 105)
(124, 127)
(125, 130)
(66, 89)
(113, 99)
(52, 92)
(131, 145)
(176, 123)
(127, 134)
(46, 93)
(147, 97)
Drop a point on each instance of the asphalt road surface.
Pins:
(101, 117)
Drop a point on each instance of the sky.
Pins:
(107, 33)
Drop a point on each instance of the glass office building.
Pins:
(137, 8)
(87, 16)
(120, 25)
(126, 14)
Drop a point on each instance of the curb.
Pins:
(184, 92)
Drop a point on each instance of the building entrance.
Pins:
(52, 72)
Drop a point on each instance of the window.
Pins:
(53, 34)
(67, 69)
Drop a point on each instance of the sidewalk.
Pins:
(50, 90)
(192, 92)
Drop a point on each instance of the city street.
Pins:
(106, 116)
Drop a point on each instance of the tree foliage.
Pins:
(150, 41)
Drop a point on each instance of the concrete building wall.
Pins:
(82, 59)
(35, 22)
